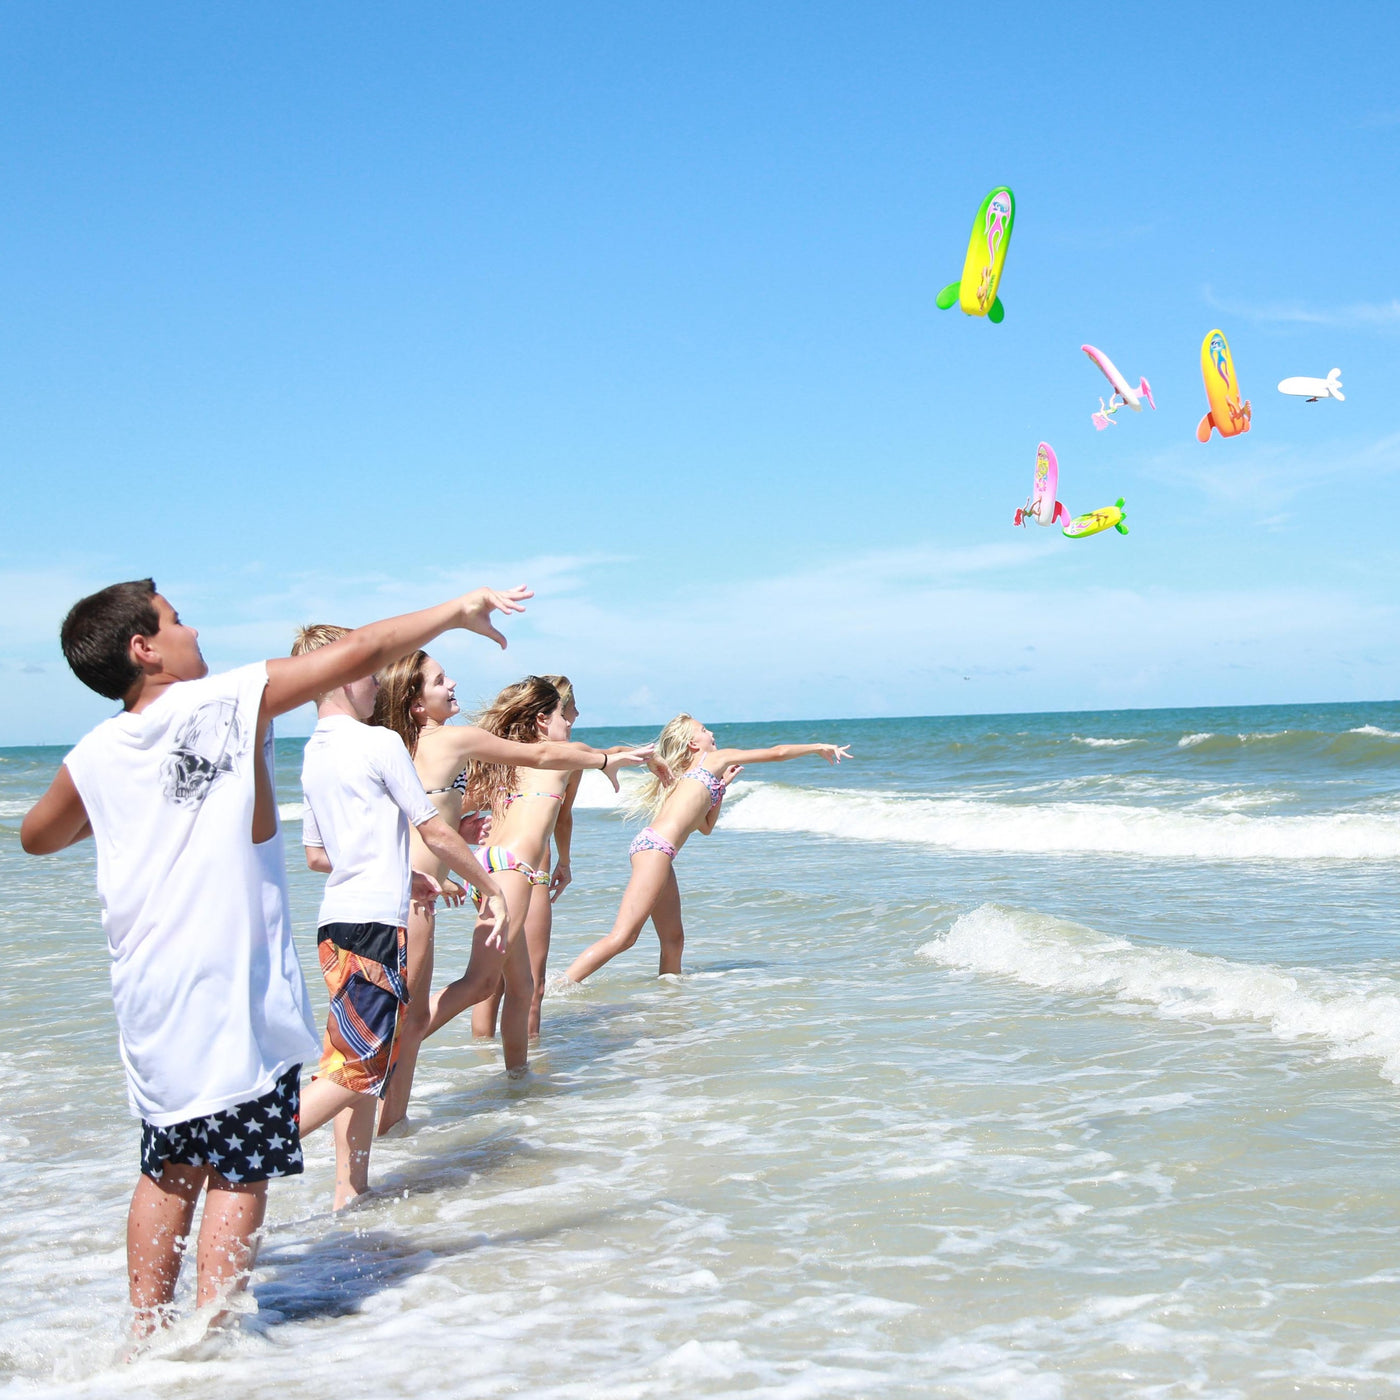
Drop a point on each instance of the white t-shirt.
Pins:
(362, 794)
(210, 1000)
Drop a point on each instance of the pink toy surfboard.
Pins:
(1122, 392)
(1042, 506)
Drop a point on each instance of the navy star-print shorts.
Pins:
(249, 1142)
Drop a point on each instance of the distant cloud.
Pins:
(1277, 473)
(1358, 315)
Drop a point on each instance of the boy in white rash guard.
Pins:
(212, 1013)
(362, 794)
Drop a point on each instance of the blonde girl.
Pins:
(534, 819)
(690, 775)
(417, 700)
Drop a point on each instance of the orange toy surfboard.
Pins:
(1228, 416)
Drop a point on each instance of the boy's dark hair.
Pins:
(96, 635)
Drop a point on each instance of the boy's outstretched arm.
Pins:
(57, 819)
(294, 680)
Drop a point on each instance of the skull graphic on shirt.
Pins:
(207, 745)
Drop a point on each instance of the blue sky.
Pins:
(319, 312)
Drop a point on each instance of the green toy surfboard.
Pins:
(976, 291)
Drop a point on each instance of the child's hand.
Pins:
(628, 758)
(475, 828)
(559, 881)
(834, 753)
(452, 893)
(493, 911)
(731, 773)
(478, 606)
(423, 891)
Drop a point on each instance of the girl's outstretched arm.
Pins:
(717, 760)
(466, 741)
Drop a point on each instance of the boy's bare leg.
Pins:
(413, 1018)
(666, 920)
(321, 1100)
(354, 1135)
(157, 1226)
(228, 1246)
(650, 872)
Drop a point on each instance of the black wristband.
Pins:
(604, 768)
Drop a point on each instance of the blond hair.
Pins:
(514, 714)
(313, 637)
(671, 758)
(565, 687)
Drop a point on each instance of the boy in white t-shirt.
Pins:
(213, 1018)
(362, 795)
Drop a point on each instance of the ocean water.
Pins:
(1022, 1056)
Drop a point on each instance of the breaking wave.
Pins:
(1352, 1018)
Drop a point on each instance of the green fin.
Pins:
(997, 312)
(1121, 528)
(949, 295)
(1119, 503)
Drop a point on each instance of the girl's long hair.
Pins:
(672, 757)
(400, 685)
(514, 714)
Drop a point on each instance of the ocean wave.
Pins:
(1105, 743)
(1367, 743)
(1353, 1019)
(1104, 828)
(291, 811)
(595, 792)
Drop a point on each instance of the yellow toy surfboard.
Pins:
(976, 291)
(1228, 416)
(1095, 522)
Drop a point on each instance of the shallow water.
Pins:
(1008, 1064)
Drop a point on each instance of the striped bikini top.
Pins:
(458, 784)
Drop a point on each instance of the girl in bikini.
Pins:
(690, 775)
(525, 823)
(416, 700)
(526, 803)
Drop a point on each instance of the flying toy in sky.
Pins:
(976, 292)
(1228, 416)
(1097, 521)
(1122, 392)
(1314, 389)
(1042, 507)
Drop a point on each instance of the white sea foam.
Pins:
(1105, 743)
(291, 811)
(963, 824)
(1189, 741)
(595, 792)
(1352, 1018)
(1375, 731)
